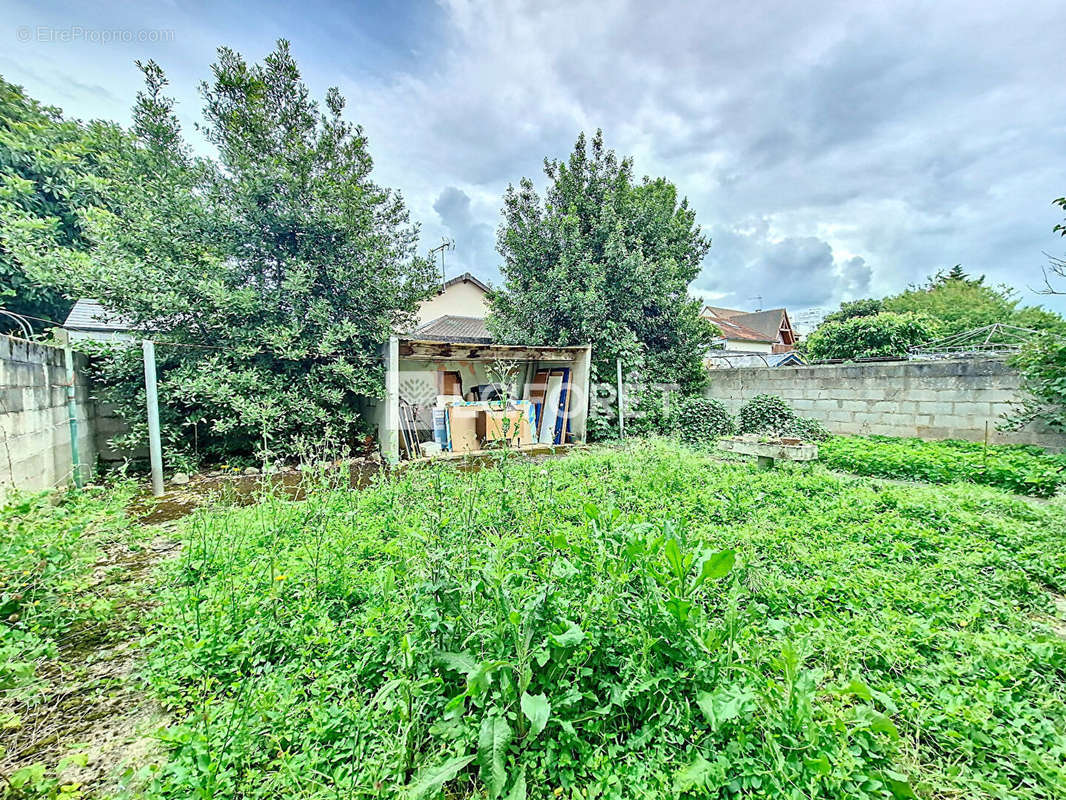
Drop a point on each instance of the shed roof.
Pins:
(89, 315)
(451, 328)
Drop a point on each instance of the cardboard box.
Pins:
(510, 425)
(464, 422)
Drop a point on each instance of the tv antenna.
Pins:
(445, 244)
(758, 302)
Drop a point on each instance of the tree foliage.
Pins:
(958, 302)
(849, 309)
(275, 272)
(605, 260)
(887, 334)
(1042, 364)
(51, 171)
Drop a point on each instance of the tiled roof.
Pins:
(89, 315)
(451, 328)
(768, 322)
(736, 331)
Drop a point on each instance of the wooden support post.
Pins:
(155, 447)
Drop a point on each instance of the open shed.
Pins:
(462, 375)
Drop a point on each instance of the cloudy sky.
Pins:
(832, 150)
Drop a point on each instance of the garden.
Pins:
(641, 620)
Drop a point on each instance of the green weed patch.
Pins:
(644, 623)
(1017, 468)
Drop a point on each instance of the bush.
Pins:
(1022, 469)
(765, 413)
(1042, 363)
(702, 419)
(884, 335)
(810, 430)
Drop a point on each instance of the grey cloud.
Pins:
(832, 149)
(474, 243)
(747, 267)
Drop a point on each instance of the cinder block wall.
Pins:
(35, 450)
(927, 399)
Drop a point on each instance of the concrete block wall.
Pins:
(35, 451)
(927, 399)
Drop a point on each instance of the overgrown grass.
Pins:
(48, 545)
(643, 623)
(1022, 469)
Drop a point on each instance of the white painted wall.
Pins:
(462, 299)
(748, 347)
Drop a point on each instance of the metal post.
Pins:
(621, 413)
(72, 413)
(155, 448)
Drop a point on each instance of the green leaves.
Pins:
(430, 781)
(566, 634)
(606, 260)
(493, 741)
(537, 710)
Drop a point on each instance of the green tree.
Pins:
(275, 273)
(866, 307)
(51, 171)
(959, 303)
(887, 334)
(605, 260)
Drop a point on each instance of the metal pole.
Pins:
(155, 448)
(72, 412)
(621, 415)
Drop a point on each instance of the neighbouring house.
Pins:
(753, 331)
(462, 296)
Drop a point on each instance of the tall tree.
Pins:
(605, 260)
(275, 273)
(51, 171)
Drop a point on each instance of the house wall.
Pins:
(927, 399)
(748, 347)
(462, 299)
(35, 451)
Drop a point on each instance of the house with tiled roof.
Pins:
(752, 331)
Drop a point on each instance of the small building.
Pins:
(450, 375)
(90, 320)
(753, 331)
(731, 359)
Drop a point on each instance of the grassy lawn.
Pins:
(645, 622)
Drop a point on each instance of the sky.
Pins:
(831, 150)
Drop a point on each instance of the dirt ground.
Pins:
(92, 712)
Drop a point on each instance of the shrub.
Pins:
(1042, 363)
(1022, 469)
(702, 419)
(765, 413)
(881, 335)
(810, 430)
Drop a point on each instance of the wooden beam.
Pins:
(465, 351)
